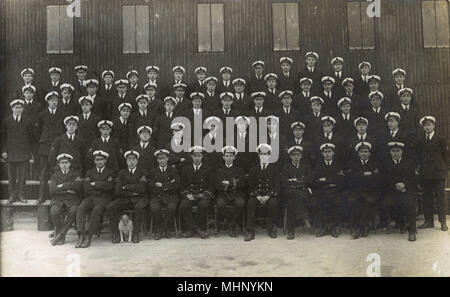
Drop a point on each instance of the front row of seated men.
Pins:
(308, 193)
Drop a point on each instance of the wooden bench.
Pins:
(42, 213)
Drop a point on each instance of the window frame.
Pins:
(436, 44)
(362, 47)
(136, 42)
(286, 48)
(59, 50)
(211, 38)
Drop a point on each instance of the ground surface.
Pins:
(27, 252)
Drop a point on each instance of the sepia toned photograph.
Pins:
(222, 144)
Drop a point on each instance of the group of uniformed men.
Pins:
(329, 149)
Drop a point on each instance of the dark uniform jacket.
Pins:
(138, 120)
(377, 123)
(146, 158)
(170, 181)
(333, 174)
(236, 178)
(393, 174)
(287, 82)
(315, 75)
(432, 157)
(221, 88)
(308, 154)
(286, 119)
(183, 105)
(116, 100)
(69, 193)
(255, 84)
(330, 106)
(162, 131)
(197, 87)
(211, 102)
(112, 147)
(409, 120)
(272, 102)
(264, 182)
(121, 132)
(301, 174)
(131, 186)
(343, 126)
(63, 145)
(196, 182)
(47, 128)
(313, 125)
(17, 138)
(31, 111)
(88, 130)
(363, 177)
(243, 103)
(135, 91)
(103, 189)
(70, 108)
(361, 87)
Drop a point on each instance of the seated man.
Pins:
(327, 181)
(230, 182)
(98, 186)
(295, 193)
(264, 189)
(364, 186)
(163, 185)
(130, 192)
(65, 189)
(196, 188)
(400, 181)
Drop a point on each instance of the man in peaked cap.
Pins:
(432, 161)
(67, 103)
(256, 82)
(362, 78)
(286, 79)
(107, 88)
(311, 70)
(225, 84)
(69, 143)
(80, 74)
(364, 184)
(408, 112)
(155, 105)
(286, 113)
(163, 184)
(294, 180)
(152, 74)
(199, 84)
(27, 75)
(313, 117)
(242, 101)
(331, 98)
(162, 131)
(54, 83)
(196, 188)
(327, 182)
(230, 186)
(134, 88)
(302, 101)
(400, 182)
(65, 192)
(130, 191)
(16, 150)
(345, 117)
(48, 126)
(98, 186)
(99, 104)
(141, 117)
(145, 148)
(122, 95)
(212, 95)
(338, 74)
(264, 189)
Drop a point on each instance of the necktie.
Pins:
(392, 134)
(428, 137)
(131, 171)
(196, 168)
(163, 170)
(105, 141)
(17, 119)
(86, 117)
(297, 142)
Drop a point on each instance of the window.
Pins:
(211, 34)
(59, 30)
(136, 29)
(361, 27)
(286, 34)
(435, 24)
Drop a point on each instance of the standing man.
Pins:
(432, 157)
(17, 133)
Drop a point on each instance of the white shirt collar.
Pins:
(431, 135)
(107, 138)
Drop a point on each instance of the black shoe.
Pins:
(115, 238)
(290, 235)
(187, 234)
(322, 232)
(62, 240)
(167, 234)
(135, 238)
(334, 232)
(51, 235)
(444, 226)
(40, 200)
(59, 239)
(202, 234)
(426, 225)
(412, 236)
(232, 232)
(273, 232)
(86, 242)
(22, 199)
(158, 235)
(249, 236)
(79, 241)
(356, 234)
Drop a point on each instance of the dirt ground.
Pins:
(27, 252)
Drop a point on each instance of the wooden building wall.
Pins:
(248, 36)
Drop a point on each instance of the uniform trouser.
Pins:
(44, 177)
(431, 189)
(96, 209)
(188, 217)
(35, 167)
(114, 208)
(326, 205)
(272, 212)
(57, 214)
(17, 177)
(238, 203)
(398, 205)
(160, 224)
(296, 202)
(362, 206)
